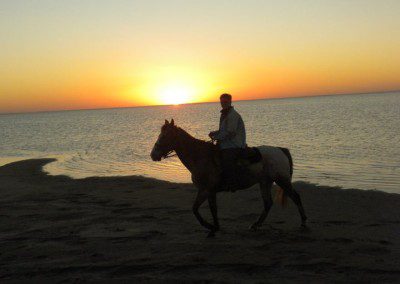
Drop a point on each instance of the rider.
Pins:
(231, 137)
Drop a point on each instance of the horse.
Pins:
(201, 158)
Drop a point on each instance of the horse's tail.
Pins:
(289, 156)
(280, 197)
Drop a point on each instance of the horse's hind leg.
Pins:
(286, 185)
(265, 188)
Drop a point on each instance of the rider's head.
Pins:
(226, 101)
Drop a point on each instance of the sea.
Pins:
(348, 141)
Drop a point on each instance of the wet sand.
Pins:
(58, 229)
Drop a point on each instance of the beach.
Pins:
(132, 228)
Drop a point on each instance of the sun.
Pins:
(172, 85)
(175, 95)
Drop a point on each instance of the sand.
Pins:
(58, 229)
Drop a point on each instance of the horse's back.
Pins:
(275, 161)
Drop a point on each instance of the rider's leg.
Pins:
(229, 157)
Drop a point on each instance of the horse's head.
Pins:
(165, 142)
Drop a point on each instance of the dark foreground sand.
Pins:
(59, 229)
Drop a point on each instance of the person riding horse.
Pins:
(199, 157)
(231, 138)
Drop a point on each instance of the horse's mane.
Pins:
(186, 136)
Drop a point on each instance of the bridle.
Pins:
(168, 154)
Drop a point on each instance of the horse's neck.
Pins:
(189, 150)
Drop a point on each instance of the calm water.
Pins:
(350, 141)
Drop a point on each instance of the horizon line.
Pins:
(193, 103)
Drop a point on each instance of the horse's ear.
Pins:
(172, 122)
(166, 122)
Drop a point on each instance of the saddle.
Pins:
(246, 156)
(250, 154)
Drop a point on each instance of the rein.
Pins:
(169, 154)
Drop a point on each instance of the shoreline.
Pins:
(55, 228)
(11, 160)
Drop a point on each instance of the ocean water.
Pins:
(351, 141)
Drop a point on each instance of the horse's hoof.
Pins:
(211, 234)
(254, 227)
(304, 228)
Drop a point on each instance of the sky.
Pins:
(57, 55)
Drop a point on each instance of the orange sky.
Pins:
(72, 55)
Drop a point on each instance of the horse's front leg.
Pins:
(212, 202)
(202, 195)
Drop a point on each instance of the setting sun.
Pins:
(172, 85)
(175, 95)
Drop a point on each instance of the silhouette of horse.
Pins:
(201, 158)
